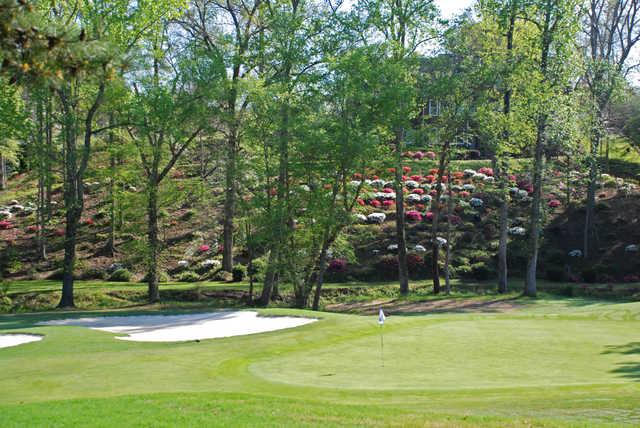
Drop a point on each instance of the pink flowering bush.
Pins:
(554, 203)
(375, 203)
(32, 228)
(388, 203)
(5, 225)
(361, 202)
(418, 155)
(337, 265)
(59, 232)
(631, 278)
(204, 248)
(486, 171)
(428, 216)
(387, 190)
(414, 216)
(430, 155)
(415, 177)
(418, 191)
(406, 169)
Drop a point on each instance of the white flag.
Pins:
(381, 317)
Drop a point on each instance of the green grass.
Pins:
(555, 362)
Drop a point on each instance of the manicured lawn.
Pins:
(553, 362)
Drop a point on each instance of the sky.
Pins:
(449, 8)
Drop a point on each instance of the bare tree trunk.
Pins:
(591, 196)
(152, 236)
(229, 203)
(502, 246)
(447, 260)
(530, 287)
(3, 173)
(403, 270)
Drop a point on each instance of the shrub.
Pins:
(204, 248)
(92, 273)
(188, 276)
(223, 276)
(188, 215)
(258, 269)
(120, 275)
(589, 275)
(555, 273)
(337, 265)
(238, 273)
(162, 277)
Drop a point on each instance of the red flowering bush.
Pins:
(554, 203)
(375, 203)
(357, 176)
(486, 171)
(416, 177)
(418, 191)
(415, 263)
(406, 169)
(88, 222)
(337, 265)
(387, 190)
(414, 216)
(433, 171)
(458, 175)
(525, 185)
(32, 228)
(420, 207)
(361, 202)
(204, 248)
(391, 170)
(430, 178)
(464, 194)
(5, 225)
(388, 204)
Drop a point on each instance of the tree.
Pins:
(555, 22)
(13, 126)
(406, 25)
(228, 30)
(167, 116)
(611, 29)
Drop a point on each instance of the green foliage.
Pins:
(188, 276)
(239, 272)
(121, 275)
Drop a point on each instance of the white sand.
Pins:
(178, 328)
(7, 340)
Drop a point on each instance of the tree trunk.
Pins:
(502, 246)
(3, 173)
(322, 268)
(229, 203)
(530, 288)
(591, 197)
(152, 236)
(447, 260)
(403, 270)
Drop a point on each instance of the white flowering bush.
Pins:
(426, 199)
(469, 187)
(468, 173)
(411, 184)
(476, 202)
(392, 247)
(377, 183)
(517, 231)
(376, 218)
(414, 199)
(633, 248)
(575, 253)
(420, 249)
(360, 218)
(211, 264)
(441, 241)
(183, 264)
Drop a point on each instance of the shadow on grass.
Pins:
(628, 369)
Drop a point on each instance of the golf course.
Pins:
(545, 362)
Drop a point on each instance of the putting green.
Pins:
(556, 362)
(432, 354)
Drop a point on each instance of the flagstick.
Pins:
(381, 345)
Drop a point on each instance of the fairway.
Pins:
(554, 363)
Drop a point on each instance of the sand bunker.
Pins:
(178, 328)
(7, 340)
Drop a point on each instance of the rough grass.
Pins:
(554, 362)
